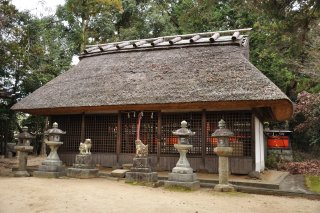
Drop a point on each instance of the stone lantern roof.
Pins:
(222, 131)
(55, 130)
(25, 134)
(183, 131)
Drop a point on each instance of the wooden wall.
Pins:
(163, 156)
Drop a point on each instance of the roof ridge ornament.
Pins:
(214, 37)
(195, 38)
(175, 40)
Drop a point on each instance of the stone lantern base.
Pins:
(223, 153)
(83, 168)
(23, 158)
(224, 188)
(50, 170)
(51, 167)
(182, 175)
(188, 181)
(141, 171)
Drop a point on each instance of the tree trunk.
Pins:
(84, 26)
(43, 151)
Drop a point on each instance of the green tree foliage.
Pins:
(306, 122)
(284, 42)
(82, 15)
(33, 51)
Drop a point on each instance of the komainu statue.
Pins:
(85, 147)
(141, 149)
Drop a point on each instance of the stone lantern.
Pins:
(23, 148)
(52, 166)
(182, 174)
(223, 150)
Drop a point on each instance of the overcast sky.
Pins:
(38, 7)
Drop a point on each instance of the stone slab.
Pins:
(182, 177)
(82, 173)
(51, 168)
(120, 173)
(141, 177)
(194, 185)
(21, 174)
(224, 188)
(43, 174)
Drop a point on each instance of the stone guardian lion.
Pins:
(141, 149)
(85, 147)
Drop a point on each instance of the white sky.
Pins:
(38, 7)
(41, 8)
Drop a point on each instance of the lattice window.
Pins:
(102, 130)
(72, 125)
(238, 122)
(171, 122)
(148, 131)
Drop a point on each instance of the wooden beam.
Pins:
(194, 38)
(83, 126)
(139, 43)
(282, 108)
(203, 136)
(175, 40)
(214, 37)
(119, 132)
(154, 43)
(159, 138)
(124, 44)
(235, 36)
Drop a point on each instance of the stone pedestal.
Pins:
(182, 174)
(223, 153)
(83, 168)
(23, 158)
(141, 171)
(51, 167)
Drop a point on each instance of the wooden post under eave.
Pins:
(159, 139)
(203, 137)
(118, 147)
(83, 126)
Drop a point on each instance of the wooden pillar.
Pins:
(83, 126)
(159, 139)
(203, 137)
(119, 131)
(253, 142)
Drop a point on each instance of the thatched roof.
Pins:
(185, 75)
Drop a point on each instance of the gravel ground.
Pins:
(102, 195)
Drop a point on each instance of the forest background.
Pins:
(284, 45)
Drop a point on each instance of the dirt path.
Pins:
(103, 195)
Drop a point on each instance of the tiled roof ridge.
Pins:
(216, 37)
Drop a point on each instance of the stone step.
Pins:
(120, 173)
